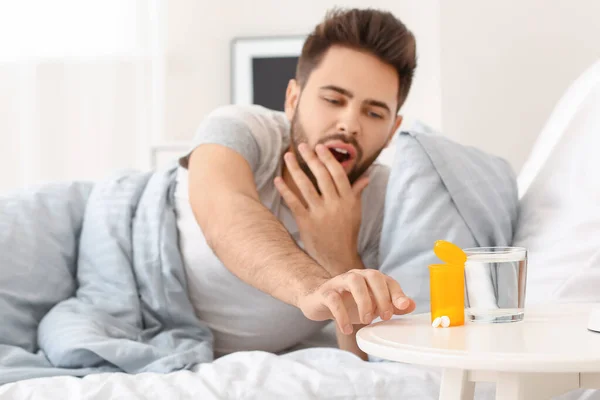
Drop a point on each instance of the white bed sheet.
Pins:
(319, 373)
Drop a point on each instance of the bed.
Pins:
(558, 226)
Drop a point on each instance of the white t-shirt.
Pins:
(241, 316)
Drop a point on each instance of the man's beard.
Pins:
(298, 136)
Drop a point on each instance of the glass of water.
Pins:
(495, 279)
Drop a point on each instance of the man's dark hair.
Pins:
(377, 32)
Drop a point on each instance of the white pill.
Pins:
(436, 322)
(445, 321)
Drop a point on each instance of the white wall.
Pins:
(489, 74)
(198, 51)
(506, 63)
(74, 106)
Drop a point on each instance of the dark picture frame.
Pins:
(261, 68)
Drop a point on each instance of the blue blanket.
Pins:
(130, 312)
(91, 277)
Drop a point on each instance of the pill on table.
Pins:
(445, 321)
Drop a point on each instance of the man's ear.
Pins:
(397, 124)
(292, 95)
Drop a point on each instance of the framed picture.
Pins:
(261, 68)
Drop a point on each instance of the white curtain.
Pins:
(81, 88)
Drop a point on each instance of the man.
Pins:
(280, 214)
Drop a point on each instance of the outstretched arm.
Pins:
(257, 248)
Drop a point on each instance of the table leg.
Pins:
(534, 386)
(509, 387)
(589, 380)
(456, 385)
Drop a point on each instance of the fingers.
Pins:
(304, 184)
(388, 295)
(324, 179)
(289, 197)
(402, 304)
(340, 178)
(360, 291)
(333, 301)
(381, 292)
(410, 307)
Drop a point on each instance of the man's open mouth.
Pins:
(340, 154)
(343, 152)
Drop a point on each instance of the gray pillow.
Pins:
(439, 189)
(32, 281)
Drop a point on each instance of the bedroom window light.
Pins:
(83, 86)
(67, 29)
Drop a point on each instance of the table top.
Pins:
(551, 338)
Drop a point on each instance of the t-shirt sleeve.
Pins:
(373, 200)
(369, 254)
(234, 128)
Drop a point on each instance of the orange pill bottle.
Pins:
(447, 292)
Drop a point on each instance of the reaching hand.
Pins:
(356, 297)
(330, 222)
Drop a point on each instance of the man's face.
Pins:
(349, 105)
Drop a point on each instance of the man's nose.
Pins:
(348, 123)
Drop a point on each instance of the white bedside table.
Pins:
(548, 353)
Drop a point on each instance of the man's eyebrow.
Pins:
(349, 94)
(338, 89)
(378, 103)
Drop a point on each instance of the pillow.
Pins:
(559, 219)
(33, 280)
(439, 189)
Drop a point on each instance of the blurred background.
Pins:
(91, 87)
